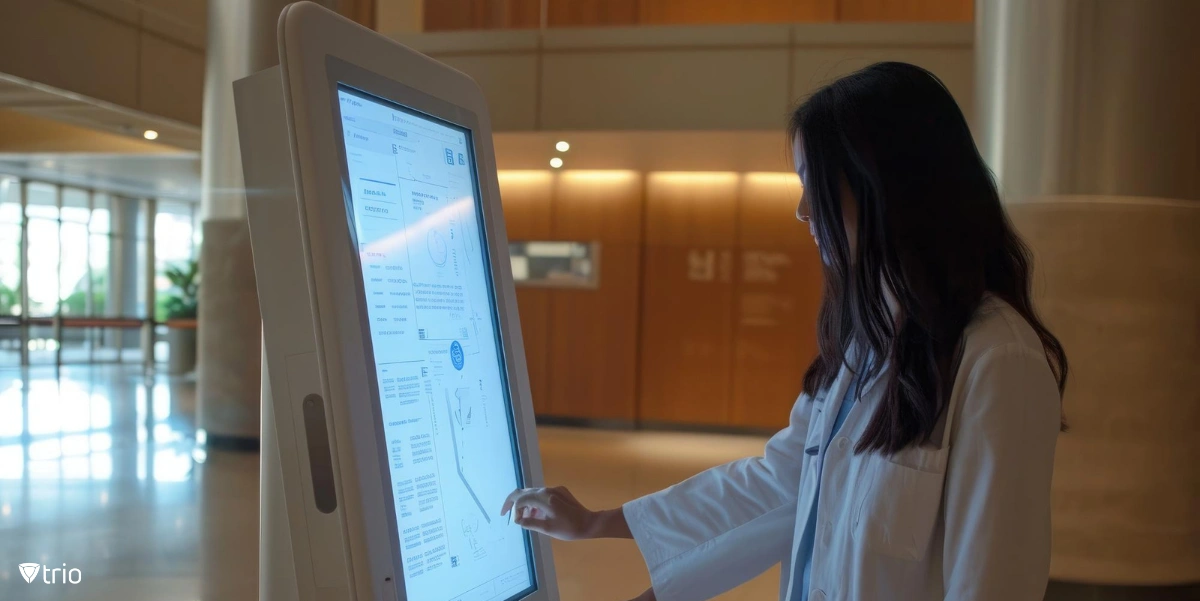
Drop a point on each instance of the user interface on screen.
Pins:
(442, 387)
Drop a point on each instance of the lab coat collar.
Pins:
(836, 394)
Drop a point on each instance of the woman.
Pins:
(918, 461)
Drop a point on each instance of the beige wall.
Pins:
(399, 16)
(29, 134)
(146, 55)
(1117, 281)
(740, 77)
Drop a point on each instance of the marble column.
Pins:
(1087, 114)
(241, 41)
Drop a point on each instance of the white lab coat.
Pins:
(966, 520)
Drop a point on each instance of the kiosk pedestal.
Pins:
(276, 570)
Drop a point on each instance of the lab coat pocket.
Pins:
(899, 510)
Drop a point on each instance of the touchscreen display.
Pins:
(443, 390)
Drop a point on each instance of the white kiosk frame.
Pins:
(328, 528)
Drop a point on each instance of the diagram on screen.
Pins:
(438, 251)
(470, 237)
(458, 461)
(475, 319)
(464, 412)
(404, 164)
(470, 530)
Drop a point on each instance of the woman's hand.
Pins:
(556, 512)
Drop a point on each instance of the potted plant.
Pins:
(181, 308)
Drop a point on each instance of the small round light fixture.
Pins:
(556, 162)
(150, 134)
(562, 146)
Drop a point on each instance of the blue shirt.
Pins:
(804, 554)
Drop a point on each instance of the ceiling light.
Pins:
(556, 162)
(150, 134)
(562, 146)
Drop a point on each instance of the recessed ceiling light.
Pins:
(150, 134)
(562, 146)
(556, 162)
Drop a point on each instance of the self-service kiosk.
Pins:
(396, 407)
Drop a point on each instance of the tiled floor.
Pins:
(99, 470)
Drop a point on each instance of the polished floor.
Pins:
(99, 470)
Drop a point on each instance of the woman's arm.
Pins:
(726, 525)
(611, 523)
(702, 536)
(997, 544)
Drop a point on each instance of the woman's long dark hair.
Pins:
(930, 229)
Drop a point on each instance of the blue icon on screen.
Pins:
(456, 355)
(449, 157)
(462, 159)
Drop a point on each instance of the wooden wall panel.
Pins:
(442, 15)
(591, 13)
(526, 197)
(534, 306)
(778, 295)
(451, 15)
(593, 333)
(399, 17)
(362, 12)
(906, 11)
(695, 12)
(687, 298)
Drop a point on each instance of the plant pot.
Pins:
(181, 345)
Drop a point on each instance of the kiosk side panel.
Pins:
(310, 489)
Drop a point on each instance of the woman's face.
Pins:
(804, 210)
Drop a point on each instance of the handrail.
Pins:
(91, 322)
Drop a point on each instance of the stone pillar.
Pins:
(241, 41)
(1087, 114)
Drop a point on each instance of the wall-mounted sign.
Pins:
(763, 267)
(555, 264)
